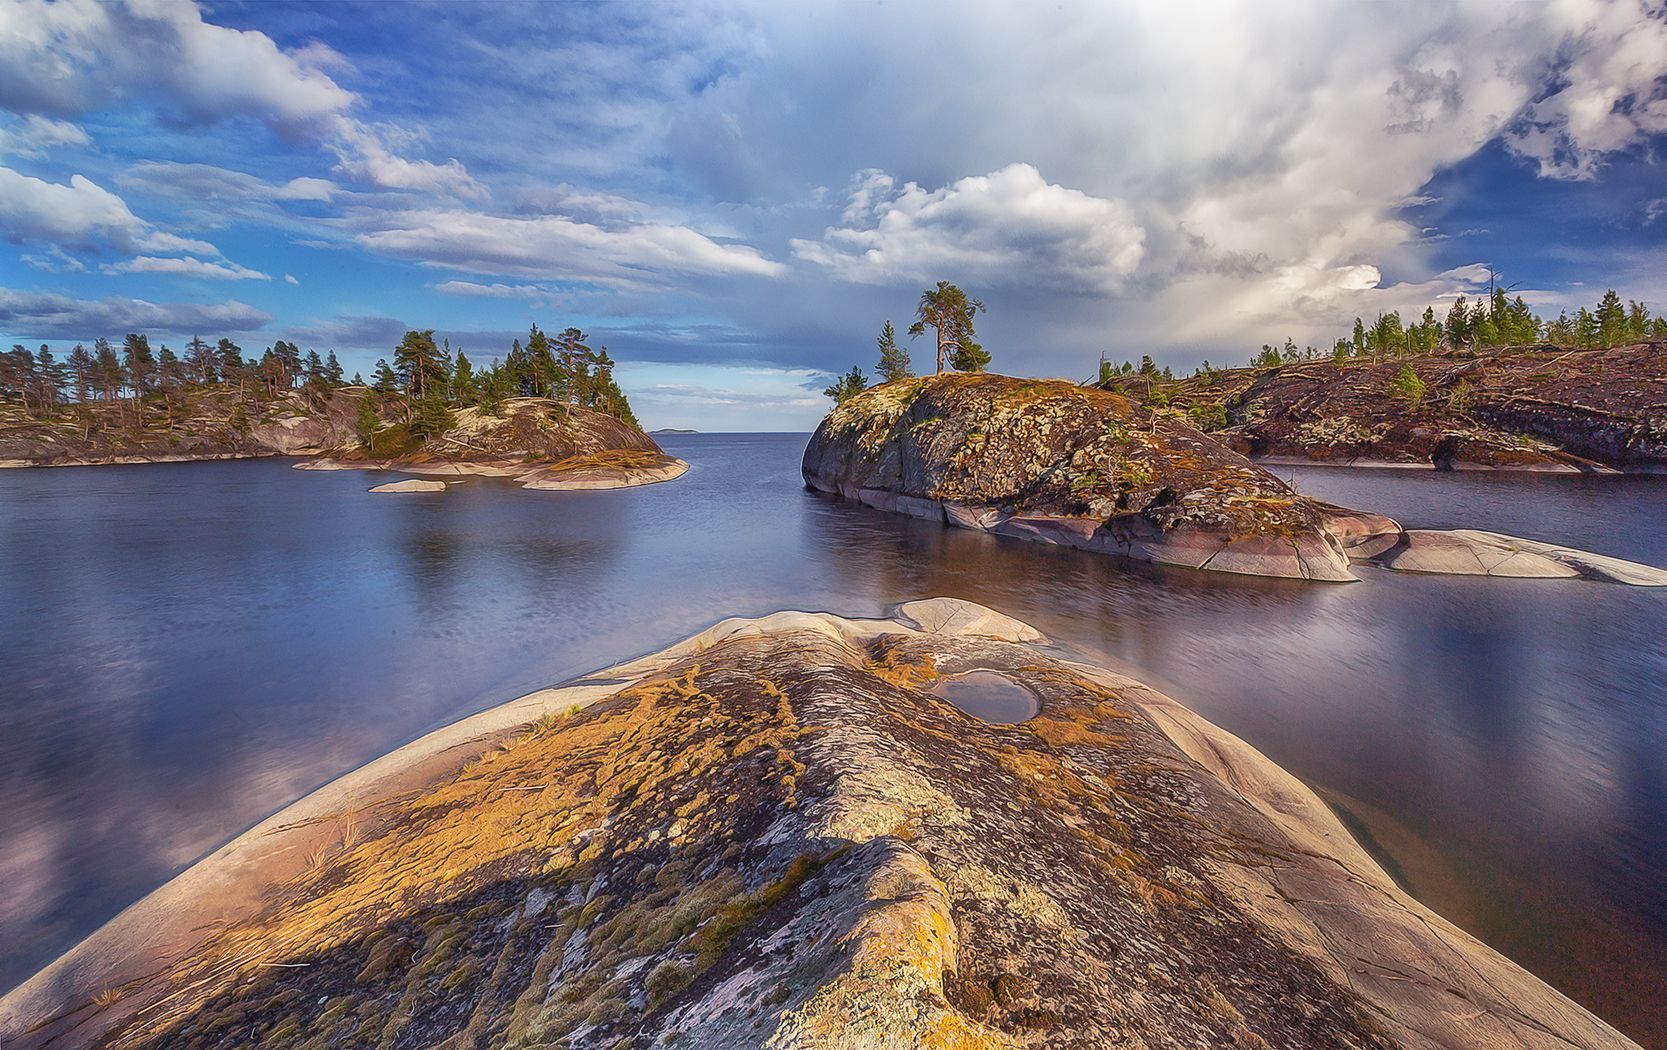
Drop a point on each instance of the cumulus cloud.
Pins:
(65, 57)
(220, 271)
(1611, 91)
(79, 213)
(555, 247)
(48, 315)
(1011, 225)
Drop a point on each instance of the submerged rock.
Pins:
(774, 834)
(1058, 463)
(1471, 552)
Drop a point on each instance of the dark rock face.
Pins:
(1059, 463)
(1536, 408)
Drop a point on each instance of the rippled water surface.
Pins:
(186, 647)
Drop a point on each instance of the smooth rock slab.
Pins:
(411, 485)
(1472, 552)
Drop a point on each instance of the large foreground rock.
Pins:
(774, 834)
(1058, 463)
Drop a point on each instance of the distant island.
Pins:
(549, 414)
(673, 430)
(1145, 466)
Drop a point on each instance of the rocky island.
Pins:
(1087, 467)
(782, 832)
(1538, 407)
(569, 427)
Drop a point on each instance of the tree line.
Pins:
(1494, 320)
(949, 312)
(428, 381)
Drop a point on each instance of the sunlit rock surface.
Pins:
(775, 835)
(1526, 408)
(1059, 463)
(539, 442)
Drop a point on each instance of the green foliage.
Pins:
(969, 356)
(431, 415)
(366, 422)
(894, 360)
(1407, 386)
(847, 386)
(1208, 417)
(949, 312)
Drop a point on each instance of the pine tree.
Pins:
(949, 312)
(81, 372)
(463, 380)
(139, 362)
(366, 423)
(332, 370)
(894, 359)
(386, 382)
(1611, 319)
(847, 386)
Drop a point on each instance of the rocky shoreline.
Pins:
(540, 443)
(1053, 462)
(1534, 408)
(773, 833)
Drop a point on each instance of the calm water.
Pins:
(185, 648)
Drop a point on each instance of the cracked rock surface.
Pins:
(775, 835)
(1051, 461)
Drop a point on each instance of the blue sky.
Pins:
(733, 197)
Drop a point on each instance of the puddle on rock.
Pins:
(988, 695)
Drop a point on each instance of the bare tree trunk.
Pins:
(940, 351)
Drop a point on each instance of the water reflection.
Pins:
(187, 647)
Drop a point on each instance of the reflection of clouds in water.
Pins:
(201, 644)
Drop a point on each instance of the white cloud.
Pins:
(36, 136)
(201, 183)
(554, 247)
(289, 278)
(222, 271)
(48, 315)
(1612, 89)
(66, 57)
(1010, 226)
(77, 213)
(491, 291)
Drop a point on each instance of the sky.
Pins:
(733, 197)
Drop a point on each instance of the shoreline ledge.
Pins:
(772, 833)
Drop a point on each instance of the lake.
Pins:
(185, 648)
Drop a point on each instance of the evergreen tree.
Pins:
(81, 372)
(847, 386)
(463, 381)
(418, 363)
(366, 422)
(1611, 319)
(332, 370)
(108, 373)
(894, 359)
(431, 415)
(1407, 386)
(386, 382)
(139, 362)
(200, 357)
(1458, 324)
(949, 312)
